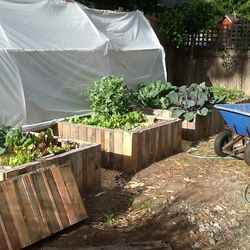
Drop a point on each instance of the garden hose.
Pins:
(247, 186)
(189, 152)
(245, 192)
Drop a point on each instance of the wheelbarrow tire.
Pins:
(247, 154)
(221, 140)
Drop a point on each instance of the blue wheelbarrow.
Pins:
(234, 140)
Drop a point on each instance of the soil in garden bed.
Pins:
(190, 202)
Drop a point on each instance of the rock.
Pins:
(212, 234)
(215, 230)
(198, 245)
(216, 225)
(235, 223)
(191, 232)
(218, 208)
(233, 212)
(212, 241)
(207, 225)
(218, 237)
(202, 228)
(172, 198)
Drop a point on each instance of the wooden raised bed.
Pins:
(201, 127)
(129, 151)
(85, 164)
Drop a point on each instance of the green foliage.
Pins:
(3, 132)
(227, 94)
(127, 121)
(110, 101)
(154, 94)
(149, 6)
(188, 19)
(192, 100)
(185, 101)
(19, 148)
(240, 7)
(110, 96)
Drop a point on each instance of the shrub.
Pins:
(228, 94)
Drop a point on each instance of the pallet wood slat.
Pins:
(130, 151)
(35, 205)
(80, 167)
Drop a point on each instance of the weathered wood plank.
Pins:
(64, 193)
(26, 208)
(127, 152)
(118, 149)
(75, 198)
(4, 238)
(36, 207)
(16, 213)
(63, 220)
(7, 224)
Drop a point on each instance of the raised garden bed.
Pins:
(84, 161)
(193, 104)
(200, 128)
(133, 150)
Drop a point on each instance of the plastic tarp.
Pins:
(51, 51)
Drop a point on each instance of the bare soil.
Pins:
(191, 202)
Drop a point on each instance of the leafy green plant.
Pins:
(228, 94)
(145, 206)
(195, 99)
(127, 121)
(111, 100)
(19, 148)
(109, 219)
(110, 96)
(154, 94)
(3, 132)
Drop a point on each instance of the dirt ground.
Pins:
(190, 202)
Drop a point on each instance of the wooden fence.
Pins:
(236, 36)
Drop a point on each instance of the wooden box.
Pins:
(85, 164)
(200, 128)
(129, 151)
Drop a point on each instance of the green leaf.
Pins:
(204, 111)
(176, 113)
(2, 151)
(189, 116)
(173, 97)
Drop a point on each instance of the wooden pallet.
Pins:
(36, 205)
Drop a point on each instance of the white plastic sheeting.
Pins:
(50, 51)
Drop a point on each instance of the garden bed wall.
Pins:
(200, 128)
(85, 164)
(129, 151)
